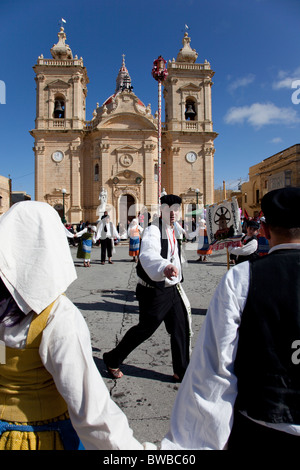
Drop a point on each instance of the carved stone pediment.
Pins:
(190, 87)
(59, 84)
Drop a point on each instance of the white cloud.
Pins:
(261, 114)
(276, 140)
(285, 79)
(241, 82)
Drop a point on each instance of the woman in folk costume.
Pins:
(134, 233)
(204, 249)
(51, 393)
(87, 238)
(263, 242)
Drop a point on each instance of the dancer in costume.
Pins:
(159, 292)
(51, 393)
(249, 244)
(204, 249)
(241, 391)
(134, 233)
(106, 232)
(87, 238)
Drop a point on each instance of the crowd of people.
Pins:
(52, 395)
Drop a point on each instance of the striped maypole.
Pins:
(159, 142)
(159, 72)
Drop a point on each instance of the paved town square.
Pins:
(106, 297)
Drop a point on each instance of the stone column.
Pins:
(207, 104)
(75, 183)
(149, 185)
(104, 162)
(39, 150)
(175, 171)
(208, 175)
(40, 111)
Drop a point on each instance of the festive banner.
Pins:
(223, 224)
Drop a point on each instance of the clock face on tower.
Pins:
(191, 157)
(57, 156)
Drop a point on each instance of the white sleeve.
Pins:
(150, 258)
(78, 234)
(66, 353)
(115, 233)
(244, 250)
(99, 231)
(203, 411)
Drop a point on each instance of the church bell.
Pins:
(190, 113)
(58, 110)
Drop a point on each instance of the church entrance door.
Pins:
(126, 210)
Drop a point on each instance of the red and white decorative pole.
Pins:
(159, 72)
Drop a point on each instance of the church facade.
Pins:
(116, 152)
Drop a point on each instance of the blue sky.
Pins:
(252, 46)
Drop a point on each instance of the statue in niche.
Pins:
(103, 201)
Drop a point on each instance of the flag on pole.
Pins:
(186, 26)
(63, 20)
(224, 224)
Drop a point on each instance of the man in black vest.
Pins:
(107, 232)
(242, 388)
(158, 292)
(249, 244)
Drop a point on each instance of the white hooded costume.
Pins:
(36, 267)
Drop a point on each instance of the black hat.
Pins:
(253, 223)
(281, 207)
(170, 199)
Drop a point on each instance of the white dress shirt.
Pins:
(244, 250)
(151, 260)
(202, 415)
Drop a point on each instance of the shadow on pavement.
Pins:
(134, 371)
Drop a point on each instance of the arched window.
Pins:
(155, 172)
(96, 172)
(190, 110)
(59, 107)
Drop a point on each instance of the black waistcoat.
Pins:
(268, 376)
(163, 252)
(252, 256)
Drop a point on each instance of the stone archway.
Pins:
(125, 209)
(59, 208)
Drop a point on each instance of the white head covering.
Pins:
(202, 224)
(134, 222)
(35, 260)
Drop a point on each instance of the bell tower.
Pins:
(61, 89)
(188, 136)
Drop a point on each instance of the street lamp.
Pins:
(159, 73)
(63, 217)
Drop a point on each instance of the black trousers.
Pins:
(157, 306)
(106, 246)
(248, 435)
